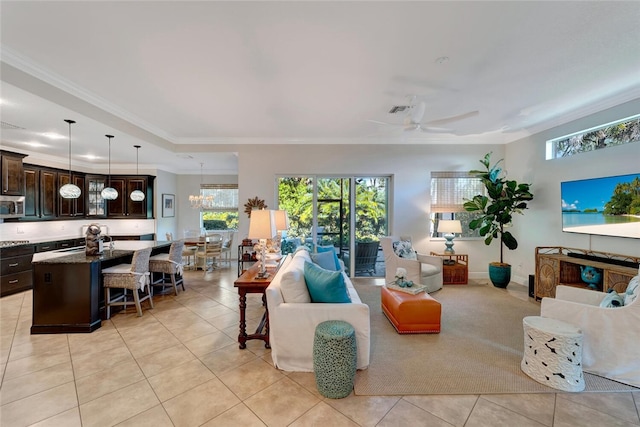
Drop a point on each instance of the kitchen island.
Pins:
(68, 295)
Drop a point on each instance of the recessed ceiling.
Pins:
(189, 81)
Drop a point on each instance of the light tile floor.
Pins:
(180, 365)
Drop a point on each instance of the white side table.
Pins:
(553, 353)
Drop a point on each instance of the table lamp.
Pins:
(448, 227)
(282, 224)
(262, 226)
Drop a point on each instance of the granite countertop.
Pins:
(77, 255)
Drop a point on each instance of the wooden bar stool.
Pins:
(168, 265)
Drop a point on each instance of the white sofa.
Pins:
(292, 324)
(611, 341)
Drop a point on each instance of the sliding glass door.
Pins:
(319, 209)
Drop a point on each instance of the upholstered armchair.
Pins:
(425, 269)
(611, 336)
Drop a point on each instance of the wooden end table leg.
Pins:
(242, 336)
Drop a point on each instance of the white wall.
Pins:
(409, 165)
(542, 223)
(165, 183)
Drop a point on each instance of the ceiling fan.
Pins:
(415, 113)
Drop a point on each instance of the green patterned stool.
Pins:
(334, 358)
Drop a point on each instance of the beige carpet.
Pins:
(478, 350)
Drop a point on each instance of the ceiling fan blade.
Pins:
(427, 129)
(416, 113)
(453, 118)
(378, 122)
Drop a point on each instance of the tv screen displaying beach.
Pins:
(608, 206)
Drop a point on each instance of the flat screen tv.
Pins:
(607, 206)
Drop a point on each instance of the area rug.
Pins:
(478, 350)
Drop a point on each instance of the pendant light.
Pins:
(137, 195)
(70, 190)
(109, 193)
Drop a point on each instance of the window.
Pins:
(223, 215)
(615, 133)
(448, 193)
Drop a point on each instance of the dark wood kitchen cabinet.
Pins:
(96, 205)
(72, 207)
(12, 173)
(41, 192)
(15, 269)
(123, 206)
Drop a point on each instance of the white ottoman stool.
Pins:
(553, 353)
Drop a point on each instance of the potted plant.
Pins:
(504, 199)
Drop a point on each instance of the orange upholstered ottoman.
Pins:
(411, 314)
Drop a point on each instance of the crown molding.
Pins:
(28, 66)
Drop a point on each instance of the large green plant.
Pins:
(504, 198)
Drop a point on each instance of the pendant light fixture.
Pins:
(70, 190)
(137, 195)
(109, 193)
(199, 201)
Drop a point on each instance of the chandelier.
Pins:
(199, 201)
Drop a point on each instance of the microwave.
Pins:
(11, 206)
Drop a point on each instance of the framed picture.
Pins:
(168, 205)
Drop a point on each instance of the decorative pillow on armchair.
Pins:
(403, 249)
(633, 289)
(612, 300)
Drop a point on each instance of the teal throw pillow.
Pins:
(320, 249)
(324, 260)
(325, 286)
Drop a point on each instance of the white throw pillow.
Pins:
(612, 300)
(325, 260)
(633, 289)
(294, 287)
(404, 249)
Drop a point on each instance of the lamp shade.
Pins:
(282, 220)
(262, 224)
(449, 226)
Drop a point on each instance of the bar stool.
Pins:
(168, 264)
(134, 276)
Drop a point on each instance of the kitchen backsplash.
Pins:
(51, 230)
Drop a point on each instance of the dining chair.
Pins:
(227, 244)
(188, 251)
(134, 277)
(169, 266)
(211, 249)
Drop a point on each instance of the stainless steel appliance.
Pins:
(10, 243)
(11, 206)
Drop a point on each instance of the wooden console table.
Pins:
(455, 268)
(557, 265)
(248, 283)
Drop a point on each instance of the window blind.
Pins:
(450, 189)
(225, 196)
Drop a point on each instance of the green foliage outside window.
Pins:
(220, 220)
(296, 197)
(609, 135)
